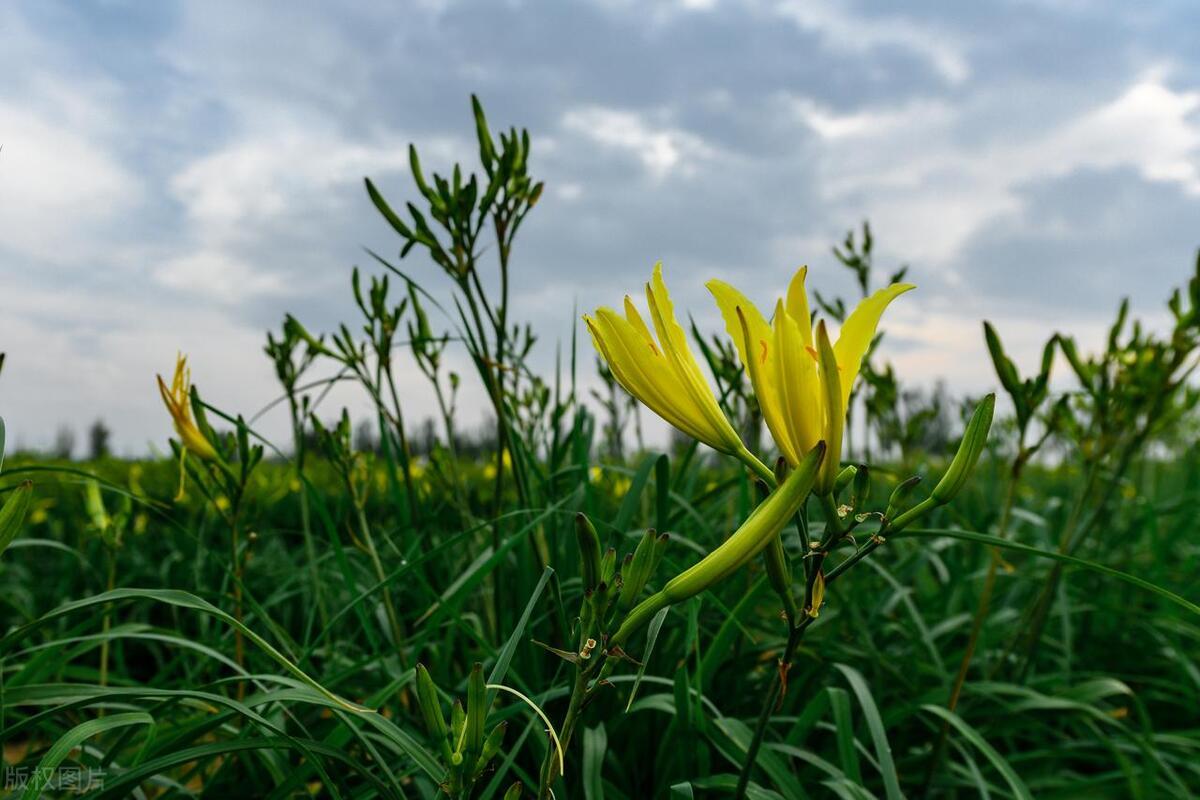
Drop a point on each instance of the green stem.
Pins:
(579, 694)
(770, 700)
(388, 606)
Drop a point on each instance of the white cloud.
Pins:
(843, 30)
(830, 125)
(214, 275)
(924, 174)
(1150, 126)
(61, 192)
(265, 177)
(663, 150)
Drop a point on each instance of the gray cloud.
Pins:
(180, 175)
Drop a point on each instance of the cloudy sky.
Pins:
(178, 175)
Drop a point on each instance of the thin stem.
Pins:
(770, 700)
(579, 694)
(388, 606)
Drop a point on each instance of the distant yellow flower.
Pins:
(803, 396)
(662, 373)
(179, 403)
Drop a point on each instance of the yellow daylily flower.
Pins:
(802, 382)
(662, 373)
(179, 404)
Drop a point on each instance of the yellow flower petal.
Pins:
(799, 382)
(858, 331)
(797, 305)
(637, 365)
(179, 405)
(673, 339)
(756, 346)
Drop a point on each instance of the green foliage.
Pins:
(317, 618)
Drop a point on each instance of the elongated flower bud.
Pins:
(491, 746)
(900, 496)
(835, 411)
(431, 708)
(844, 477)
(608, 565)
(969, 450)
(589, 552)
(458, 720)
(862, 488)
(749, 540)
(637, 573)
(477, 713)
(779, 574)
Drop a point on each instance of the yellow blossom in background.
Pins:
(661, 372)
(795, 387)
(179, 404)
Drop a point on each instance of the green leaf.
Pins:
(180, 599)
(595, 745)
(995, 541)
(73, 739)
(971, 735)
(12, 514)
(504, 657)
(883, 750)
(651, 637)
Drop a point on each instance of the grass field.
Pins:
(551, 609)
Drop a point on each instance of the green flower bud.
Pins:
(636, 571)
(969, 450)
(458, 718)
(608, 565)
(844, 477)
(900, 496)
(477, 712)
(749, 540)
(589, 551)
(491, 747)
(431, 708)
(862, 488)
(779, 574)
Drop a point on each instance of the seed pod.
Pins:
(513, 793)
(589, 551)
(969, 450)
(900, 495)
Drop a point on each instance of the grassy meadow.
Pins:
(990, 597)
